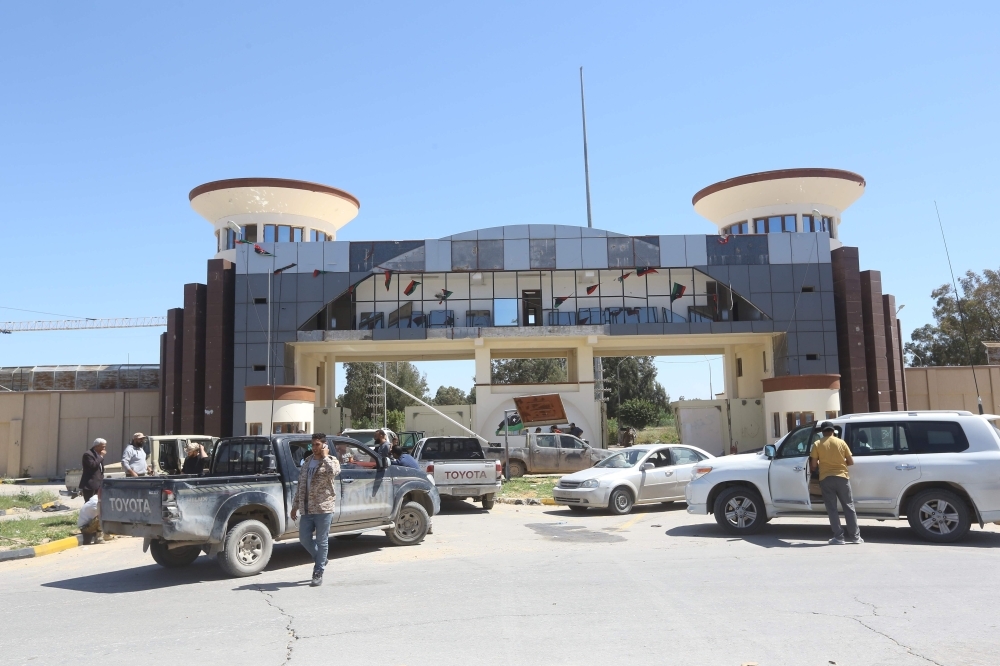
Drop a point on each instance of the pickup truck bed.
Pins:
(460, 468)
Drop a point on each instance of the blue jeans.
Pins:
(320, 546)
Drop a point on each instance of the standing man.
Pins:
(381, 445)
(196, 458)
(575, 430)
(134, 457)
(315, 497)
(93, 469)
(832, 457)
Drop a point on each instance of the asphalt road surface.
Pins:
(526, 585)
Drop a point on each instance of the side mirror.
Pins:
(646, 466)
(770, 451)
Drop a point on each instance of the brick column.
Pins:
(173, 369)
(850, 330)
(873, 318)
(193, 361)
(219, 315)
(893, 354)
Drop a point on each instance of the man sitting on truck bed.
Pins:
(315, 496)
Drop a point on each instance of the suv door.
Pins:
(365, 489)
(573, 454)
(545, 454)
(883, 466)
(788, 473)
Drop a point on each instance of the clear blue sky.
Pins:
(446, 117)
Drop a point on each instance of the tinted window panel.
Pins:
(452, 449)
(936, 437)
(796, 445)
(872, 439)
(685, 456)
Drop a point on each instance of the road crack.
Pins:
(292, 635)
(872, 629)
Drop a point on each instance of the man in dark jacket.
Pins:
(93, 469)
(400, 457)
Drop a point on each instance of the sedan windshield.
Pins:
(623, 460)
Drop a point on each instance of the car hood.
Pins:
(594, 473)
(737, 461)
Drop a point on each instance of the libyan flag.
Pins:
(559, 300)
(317, 272)
(284, 268)
(592, 288)
(644, 271)
(388, 279)
(622, 278)
(677, 291)
(443, 295)
(410, 288)
(261, 251)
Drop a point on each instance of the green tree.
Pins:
(449, 395)
(528, 371)
(395, 420)
(944, 343)
(361, 384)
(632, 378)
(639, 413)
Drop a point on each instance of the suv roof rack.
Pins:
(957, 412)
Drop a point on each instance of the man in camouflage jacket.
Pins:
(315, 498)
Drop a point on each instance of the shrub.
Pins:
(639, 413)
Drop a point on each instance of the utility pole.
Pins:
(586, 161)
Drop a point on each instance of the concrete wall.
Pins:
(44, 433)
(419, 417)
(952, 387)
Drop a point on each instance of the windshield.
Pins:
(623, 460)
(366, 438)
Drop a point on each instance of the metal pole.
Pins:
(586, 161)
(506, 443)
(269, 275)
(385, 404)
(433, 409)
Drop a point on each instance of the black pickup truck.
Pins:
(241, 505)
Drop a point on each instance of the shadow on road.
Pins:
(460, 507)
(790, 535)
(285, 555)
(564, 512)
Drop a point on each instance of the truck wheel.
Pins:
(173, 558)
(740, 511)
(939, 516)
(516, 468)
(246, 549)
(620, 502)
(488, 502)
(411, 525)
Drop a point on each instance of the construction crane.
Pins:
(81, 324)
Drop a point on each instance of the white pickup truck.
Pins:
(459, 468)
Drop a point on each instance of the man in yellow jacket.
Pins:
(832, 457)
(315, 497)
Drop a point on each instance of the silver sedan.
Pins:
(640, 475)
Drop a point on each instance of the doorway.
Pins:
(531, 300)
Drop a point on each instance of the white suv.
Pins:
(939, 469)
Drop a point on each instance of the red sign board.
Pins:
(540, 410)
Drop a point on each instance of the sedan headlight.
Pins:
(700, 472)
(590, 483)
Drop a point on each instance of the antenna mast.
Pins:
(586, 161)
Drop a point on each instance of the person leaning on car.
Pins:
(832, 457)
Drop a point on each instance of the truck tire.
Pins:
(246, 549)
(620, 502)
(740, 510)
(939, 515)
(411, 527)
(488, 502)
(517, 469)
(173, 558)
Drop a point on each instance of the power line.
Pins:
(54, 314)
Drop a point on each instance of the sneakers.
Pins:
(856, 541)
(317, 580)
(837, 541)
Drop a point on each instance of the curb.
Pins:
(43, 549)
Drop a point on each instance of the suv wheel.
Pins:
(939, 515)
(246, 549)
(740, 511)
(412, 525)
(173, 558)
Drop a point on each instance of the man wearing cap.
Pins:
(93, 469)
(832, 457)
(134, 456)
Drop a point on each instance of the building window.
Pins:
(255, 428)
(284, 233)
(317, 236)
(739, 367)
(775, 224)
(832, 415)
(296, 234)
(260, 300)
(796, 419)
(764, 356)
(812, 357)
(250, 233)
(738, 228)
(816, 223)
(269, 233)
(776, 424)
(259, 368)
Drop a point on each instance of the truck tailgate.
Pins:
(132, 501)
(465, 472)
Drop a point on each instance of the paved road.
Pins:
(526, 585)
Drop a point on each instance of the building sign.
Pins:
(540, 410)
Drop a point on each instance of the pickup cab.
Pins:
(164, 454)
(242, 504)
(460, 468)
(547, 453)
